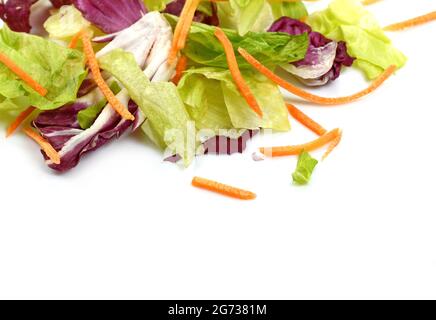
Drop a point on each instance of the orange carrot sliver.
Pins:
(174, 49)
(296, 150)
(99, 80)
(18, 121)
(22, 75)
(412, 22)
(75, 40)
(45, 145)
(181, 31)
(311, 97)
(305, 120)
(332, 146)
(244, 89)
(184, 33)
(223, 189)
(180, 68)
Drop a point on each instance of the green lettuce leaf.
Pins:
(87, 117)
(66, 23)
(214, 102)
(204, 100)
(256, 15)
(349, 21)
(305, 166)
(245, 15)
(156, 5)
(60, 70)
(168, 122)
(270, 48)
(295, 10)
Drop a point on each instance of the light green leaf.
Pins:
(205, 102)
(168, 122)
(295, 10)
(247, 13)
(60, 70)
(86, 117)
(66, 23)
(270, 48)
(156, 5)
(215, 102)
(305, 166)
(349, 21)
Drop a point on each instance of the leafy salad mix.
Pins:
(174, 68)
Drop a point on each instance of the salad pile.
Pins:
(195, 76)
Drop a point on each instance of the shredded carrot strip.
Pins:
(244, 89)
(181, 31)
(45, 145)
(95, 69)
(222, 189)
(180, 68)
(174, 50)
(184, 33)
(311, 97)
(75, 40)
(305, 120)
(332, 146)
(18, 121)
(22, 75)
(296, 150)
(412, 22)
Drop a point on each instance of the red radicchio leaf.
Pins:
(111, 15)
(61, 128)
(176, 7)
(16, 14)
(319, 44)
(60, 3)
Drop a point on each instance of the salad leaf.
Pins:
(61, 129)
(296, 10)
(247, 12)
(205, 102)
(305, 166)
(257, 15)
(349, 21)
(214, 101)
(147, 39)
(87, 116)
(205, 13)
(156, 5)
(324, 58)
(268, 47)
(66, 23)
(16, 14)
(111, 16)
(60, 3)
(167, 119)
(245, 15)
(90, 122)
(58, 69)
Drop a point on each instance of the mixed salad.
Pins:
(196, 76)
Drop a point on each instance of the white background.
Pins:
(125, 225)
